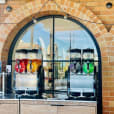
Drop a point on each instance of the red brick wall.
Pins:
(93, 10)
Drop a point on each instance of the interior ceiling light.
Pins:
(65, 16)
(9, 8)
(34, 20)
(109, 5)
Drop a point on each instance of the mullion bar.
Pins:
(53, 57)
(50, 61)
(58, 60)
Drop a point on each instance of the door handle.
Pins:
(57, 105)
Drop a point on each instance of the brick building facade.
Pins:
(92, 10)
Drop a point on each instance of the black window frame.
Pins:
(99, 81)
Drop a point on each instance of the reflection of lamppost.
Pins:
(32, 37)
(51, 46)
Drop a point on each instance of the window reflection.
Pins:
(61, 58)
(69, 35)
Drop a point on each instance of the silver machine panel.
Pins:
(26, 81)
(82, 83)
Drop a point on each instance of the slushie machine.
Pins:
(29, 73)
(81, 76)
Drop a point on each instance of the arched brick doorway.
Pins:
(24, 14)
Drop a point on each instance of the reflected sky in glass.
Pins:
(63, 39)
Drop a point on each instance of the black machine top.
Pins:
(21, 51)
(75, 50)
(27, 51)
(88, 50)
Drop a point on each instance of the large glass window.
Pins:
(55, 58)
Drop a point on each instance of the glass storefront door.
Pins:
(55, 58)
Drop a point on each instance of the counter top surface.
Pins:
(10, 99)
(49, 102)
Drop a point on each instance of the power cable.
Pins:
(89, 21)
(67, 15)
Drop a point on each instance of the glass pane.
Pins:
(73, 71)
(60, 82)
(38, 36)
(47, 66)
(29, 73)
(70, 36)
(43, 37)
